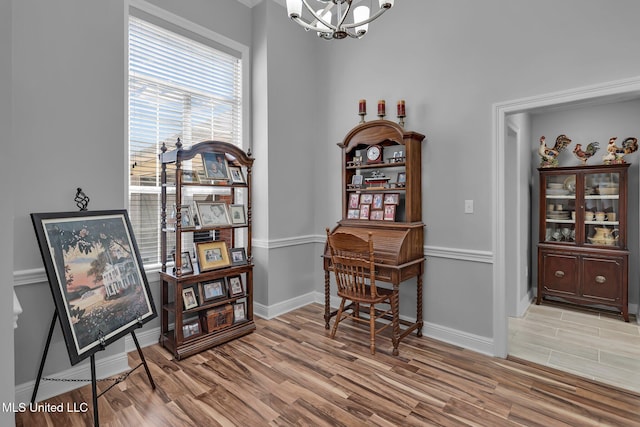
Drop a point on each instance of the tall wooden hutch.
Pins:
(382, 194)
(186, 331)
(582, 249)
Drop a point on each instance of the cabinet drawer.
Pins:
(602, 278)
(560, 273)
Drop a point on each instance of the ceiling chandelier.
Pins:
(319, 16)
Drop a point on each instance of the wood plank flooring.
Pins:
(290, 373)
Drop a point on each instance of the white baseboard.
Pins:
(107, 367)
(271, 311)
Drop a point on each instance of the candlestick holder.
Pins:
(362, 114)
(401, 120)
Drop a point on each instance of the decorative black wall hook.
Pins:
(81, 199)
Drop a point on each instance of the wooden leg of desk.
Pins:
(327, 300)
(396, 318)
(419, 319)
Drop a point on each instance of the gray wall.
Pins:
(6, 214)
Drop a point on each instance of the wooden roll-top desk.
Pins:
(393, 178)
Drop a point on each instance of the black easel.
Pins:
(94, 389)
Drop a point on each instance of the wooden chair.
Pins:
(353, 266)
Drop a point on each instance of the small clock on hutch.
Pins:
(374, 154)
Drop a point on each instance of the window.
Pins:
(178, 88)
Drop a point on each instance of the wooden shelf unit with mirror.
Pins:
(382, 176)
(582, 249)
(208, 302)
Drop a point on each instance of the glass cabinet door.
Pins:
(602, 209)
(560, 217)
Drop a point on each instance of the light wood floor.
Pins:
(589, 343)
(289, 372)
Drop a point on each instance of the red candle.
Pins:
(401, 111)
(381, 107)
(362, 106)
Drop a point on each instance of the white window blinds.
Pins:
(178, 88)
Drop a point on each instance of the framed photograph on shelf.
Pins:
(377, 201)
(187, 216)
(353, 213)
(239, 312)
(389, 212)
(186, 265)
(402, 179)
(238, 256)
(94, 247)
(191, 329)
(212, 255)
(364, 211)
(212, 214)
(215, 166)
(237, 215)
(391, 198)
(357, 180)
(354, 200)
(366, 199)
(376, 215)
(236, 175)
(213, 290)
(236, 288)
(189, 297)
(190, 176)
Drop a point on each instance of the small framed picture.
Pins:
(213, 290)
(215, 166)
(239, 312)
(212, 214)
(190, 176)
(357, 180)
(357, 160)
(377, 201)
(353, 213)
(236, 175)
(354, 200)
(402, 179)
(191, 329)
(187, 217)
(389, 212)
(212, 255)
(391, 198)
(186, 267)
(237, 215)
(364, 211)
(238, 256)
(366, 199)
(376, 215)
(236, 288)
(189, 298)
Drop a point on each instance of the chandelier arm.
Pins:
(366, 21)
(341, 19)
(319, 18)
(309, 26)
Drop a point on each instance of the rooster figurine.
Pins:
(615, 154)
(584, 155)
(549, 156)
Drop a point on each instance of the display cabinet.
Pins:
(382, 195)
(582, 249)
(206, 215)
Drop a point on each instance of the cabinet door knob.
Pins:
(601, 279)
(559, 273)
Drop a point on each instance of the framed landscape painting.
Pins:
(96, 277)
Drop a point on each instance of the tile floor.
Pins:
(592, 344)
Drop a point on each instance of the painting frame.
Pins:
(236, 286)
(186, 265)
(237, 177)
(100, 244)
(238, 256)
(208, 217)
(237, 214)
(239, 312)
(189, 297)
(212, 255)
(213, 290)
(216, 166)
